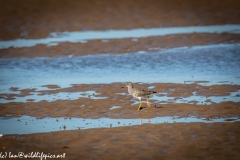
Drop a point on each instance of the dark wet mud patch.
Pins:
(51, 86)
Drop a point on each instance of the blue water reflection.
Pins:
(83, 36)
(28, 124)
(214, 63)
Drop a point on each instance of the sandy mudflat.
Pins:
(37, 19)
(126, 45)
(146, 141)
(162, 141)
(108, 95)
(34, 19)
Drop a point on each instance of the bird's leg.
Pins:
(148, 103)
(140, 104)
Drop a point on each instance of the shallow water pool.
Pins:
(28, 124)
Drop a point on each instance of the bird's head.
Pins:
(129, 85)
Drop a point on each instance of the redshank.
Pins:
(139, 93)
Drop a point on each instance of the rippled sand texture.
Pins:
(80, 101)
(64, 66)
(162, 141)
(34, 19)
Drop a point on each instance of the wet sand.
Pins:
(126, 45)
(34, 19)
(162, 141)
(98, 104)
(147, 141)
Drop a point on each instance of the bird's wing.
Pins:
(140, 92)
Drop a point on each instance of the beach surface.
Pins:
(67, 96)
